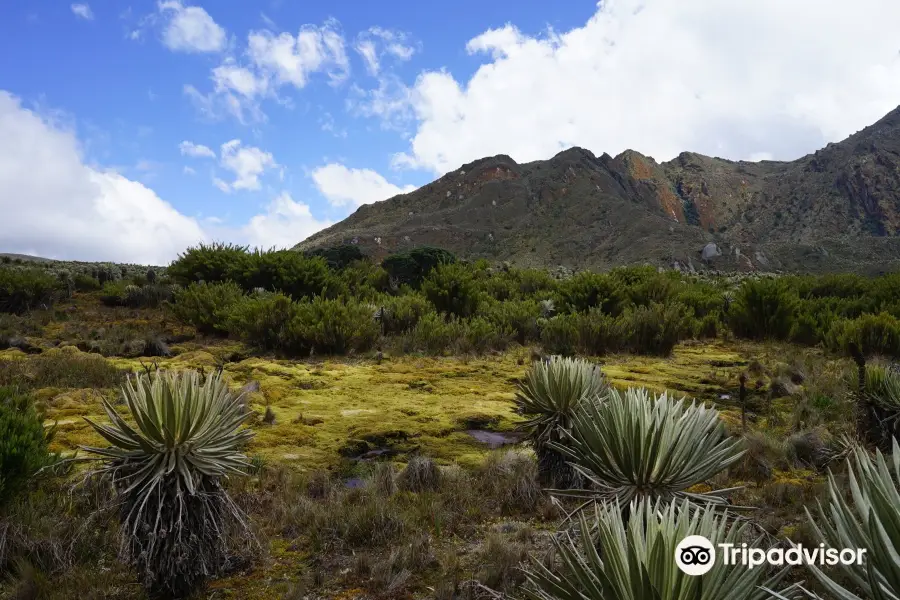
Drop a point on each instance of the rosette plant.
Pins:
(549, 397)
(609, 558)
(166, 460)
(632, 446)
(868, 517)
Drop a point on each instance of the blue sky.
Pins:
(138, 128)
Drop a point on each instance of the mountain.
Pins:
(837, 209)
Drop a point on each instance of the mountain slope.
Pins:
(835, 209)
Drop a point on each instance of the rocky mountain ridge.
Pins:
(836, 209)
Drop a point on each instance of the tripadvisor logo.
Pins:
(696, 555)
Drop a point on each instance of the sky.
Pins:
(130, 131)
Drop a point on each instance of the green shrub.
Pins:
(653, 288)
(338, 257)
(587, 290)
(764, 308)
(85, 283)
(657, 328)
(480, 336)
(167, 470)
(114, 293)
(600, 333)
(452, 289)
(206, 305)
(410, 268)
(435, 335)
(263, 320)
(519, 316)
(560, 335)
(871, 334)
(23, 443)
(210, 263)
(60, 368)
(22, 290)
(287, 271)
(365, 280)
(334, 326)
(703, 299)
(402, 313)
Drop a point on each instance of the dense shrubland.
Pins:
(425, 300)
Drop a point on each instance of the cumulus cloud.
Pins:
(190, 28)
(343, 186)
(188, 148)
(83, 11)
(732, 79)
(377, 42)
(269, 62)
(57, 206)
(247, 165)
(284, 223)
(292, 59)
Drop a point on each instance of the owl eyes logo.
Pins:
(695, 555)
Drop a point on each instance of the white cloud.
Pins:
(291, 60)
(375, 42)
(247, 164)
(190, 28)
(392, 102)
(342, 186)
(284, 224)
(55, 205)
(272, 61)
(83, 11)
(189, 171)
(724, 78)
(188, 148)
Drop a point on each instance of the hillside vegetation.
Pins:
(248, 424)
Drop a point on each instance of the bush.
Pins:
(452, 289)
(764, 308)
(480, 336)
(206, 306)
(433, 334)
(560, 335)
(60, 368)
(870, 334)
(338, 257)
(519, 316)
(402, 313)
(23, 444)
(334, 326)
(657, 328)
(210, 263)
(85, 283)
(289, 272)
(588, 290)
(600, 333)
(22, 290)
(410, 268)
(263, 320)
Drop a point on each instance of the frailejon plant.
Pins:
(166, 463)
(635, 560)
(868, 518)
(549, 397)
(631, 446)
